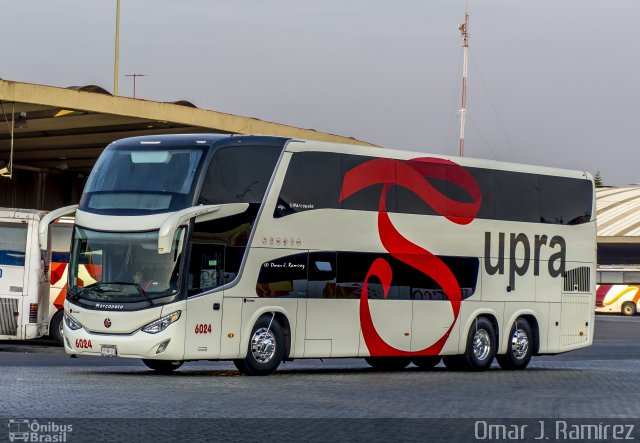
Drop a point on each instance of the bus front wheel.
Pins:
(265, 350)
(162, 366)
(628, 309)
(520, 347)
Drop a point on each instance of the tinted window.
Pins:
(13, 243)
(409, 203)
(283, 277)
(631, 277)
(312, 182)
(239, 174)
(352, 272)
(611, 277)
(367, 199)
(517, 197)
(618, 253)
(485, 180)
(60, 242)
(322, 275)
(564, 200)
(505, 195)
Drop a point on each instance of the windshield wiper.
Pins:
(141, 291)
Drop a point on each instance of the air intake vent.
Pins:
(33, 313)
(577, 280)
(8, 316)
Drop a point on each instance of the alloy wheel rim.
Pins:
(481, 344)
(519, 344)
(263, 345)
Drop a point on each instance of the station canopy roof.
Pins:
(67, 128)
(618, 214)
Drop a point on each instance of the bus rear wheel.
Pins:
(162, 366)
(265, 350)
(480, 350)
(388, 363)
(520, 347)
(628, 309)
(56, 331)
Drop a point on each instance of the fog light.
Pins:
(68, 342)
(163, 346)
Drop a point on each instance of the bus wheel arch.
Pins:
(266, 345)
(481, 344)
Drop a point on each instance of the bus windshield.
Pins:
(123, 267)
(142, 180)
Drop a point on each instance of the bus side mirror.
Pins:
(43, 228)
(201, 213)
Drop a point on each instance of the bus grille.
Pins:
(8, 318)
(577, 280)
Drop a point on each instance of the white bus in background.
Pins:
(30, 300)
(263, 249)
(618, 289)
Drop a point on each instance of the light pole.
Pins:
(115, 64)
(134, 76)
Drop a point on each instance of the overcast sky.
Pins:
(551, 82)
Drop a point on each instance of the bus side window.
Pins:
(283, 277)
(205, 267)
(322, 275)
(13, 243)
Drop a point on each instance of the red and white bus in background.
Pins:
(618, 289)
(262, 249)
(34, 253)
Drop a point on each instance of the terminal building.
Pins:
(618, 215)
(50, 137)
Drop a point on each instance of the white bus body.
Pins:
(26, 306)
(618, 290)
(266, 249)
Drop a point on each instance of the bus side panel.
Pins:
(231, 327)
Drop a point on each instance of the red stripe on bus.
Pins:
(411, 175)
(601, 293)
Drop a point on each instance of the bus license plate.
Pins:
(109, 351)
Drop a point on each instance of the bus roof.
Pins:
(295, 145)
(23, 214)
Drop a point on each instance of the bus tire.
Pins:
(162, 366)
(481, 347)
(628, 309)
(388, 363)
(427, 362)
(265, 351)
(55, 327)
(520, 347)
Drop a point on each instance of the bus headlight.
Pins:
(71, 322)
(162, 323)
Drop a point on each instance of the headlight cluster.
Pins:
(162, 323)
(71, 322)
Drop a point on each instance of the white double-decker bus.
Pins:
(262, 249)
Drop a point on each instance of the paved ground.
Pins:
(39, 381)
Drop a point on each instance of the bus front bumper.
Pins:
(165, 345)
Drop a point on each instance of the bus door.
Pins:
(13, 256)
(206, 272)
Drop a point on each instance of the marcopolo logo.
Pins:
(34, 431)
